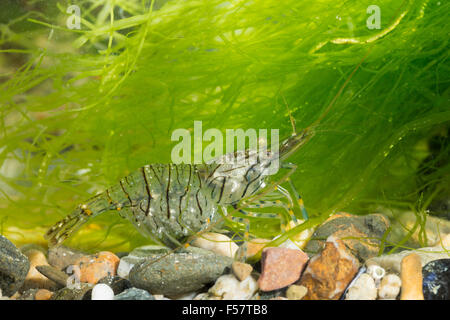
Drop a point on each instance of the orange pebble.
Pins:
(95, 267)
(43, 294)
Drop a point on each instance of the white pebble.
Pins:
(363, 289)
(102, 291)
(123, 270)
(228, 287)
(376, 272)
(390, 287)
(216, 242)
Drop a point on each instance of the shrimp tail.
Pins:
(64, 228)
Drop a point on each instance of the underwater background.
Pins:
(81, 108)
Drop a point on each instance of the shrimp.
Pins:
(170, 202)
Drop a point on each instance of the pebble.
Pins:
(343, 225)
(389, 287)
(134, 294)
(136, 256)
(43, 294)
(206, 296)
(252, 247)
(28, 294)
(364, 288)
(280, 267)
(185, 296)
(118, 284)
(217, 243)
(411, 276)
(35, 279)
(376, 272)
(31, 246)
(184, 271)
(102, 291)
(329, 273)
(57, 276)
(2, 297)
(436, 280)
(14, 266)
(301, 239)
(228, 287)
(296, 292)
(269, 295)
(241, 270)
(92, 268)
(392, 262)
(73, 294)
(61, 257)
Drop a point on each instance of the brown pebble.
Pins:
(252, 247)
(57, 276)
(43, 294)
(329, 273)
(241, 270)
(411, 276)
(34, 279)
(280, 267)
(95, 267)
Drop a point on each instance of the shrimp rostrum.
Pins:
(171, 202)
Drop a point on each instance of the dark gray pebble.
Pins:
(84, 293)
(28, 294)
(436, 280)
(14, 266)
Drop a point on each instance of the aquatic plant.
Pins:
(80, 108)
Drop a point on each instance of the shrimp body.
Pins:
(169, 202)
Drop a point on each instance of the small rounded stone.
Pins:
(43, 294)
(363, 289)
(296, 292)
(217, 243)
(389, 287)
(241, 270)
(411, 276)
(102, 291)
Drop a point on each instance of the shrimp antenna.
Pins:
(290, 115)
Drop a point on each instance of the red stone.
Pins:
(280, 267)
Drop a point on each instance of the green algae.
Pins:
(79, 109)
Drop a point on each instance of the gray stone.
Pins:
(60, 257)
(84, 293)
(57, 276)
(359, 234)
(186, 270)
(136, 256)
(14, 266)
(134, 294)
